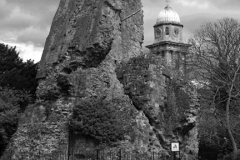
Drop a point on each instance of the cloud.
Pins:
(226, 4)
(193, 3)
(35, 7)
(26, 20)
(26, 51)
(17, 20)
(26, 24)
(31, 34)
(193, 22)
(43, 10)
(4, 10)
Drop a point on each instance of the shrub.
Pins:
(102, 120)
(10, 103)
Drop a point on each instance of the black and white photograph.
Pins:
(119, 80)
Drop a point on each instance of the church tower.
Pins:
(168, 41)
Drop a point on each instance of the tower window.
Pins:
(163, 54)
(167, 30)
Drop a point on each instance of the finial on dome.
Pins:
(168, 2)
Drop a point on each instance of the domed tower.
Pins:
(168, 41)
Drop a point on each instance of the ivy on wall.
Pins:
(134, 76)
(178, 102)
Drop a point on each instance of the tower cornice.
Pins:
(169, 44)
(168, 23)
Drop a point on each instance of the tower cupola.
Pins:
(168, 39)
(168, 26)
(168, 15)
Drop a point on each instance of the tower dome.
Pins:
(168, 15)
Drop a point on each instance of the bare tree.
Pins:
(214, 62)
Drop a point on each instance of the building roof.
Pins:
(168, 15)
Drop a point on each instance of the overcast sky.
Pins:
(26, 23)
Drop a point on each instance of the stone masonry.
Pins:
(94, 49)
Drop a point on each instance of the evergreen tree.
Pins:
(17, 90)
(9, 58)
(16, 74)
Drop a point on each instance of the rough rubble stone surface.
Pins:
(169, 103)
(94, 50)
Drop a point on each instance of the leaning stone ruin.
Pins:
(94, 51)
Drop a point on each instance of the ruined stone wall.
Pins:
(88, 38)
(91, 29)
(168, 102)
(91, 53)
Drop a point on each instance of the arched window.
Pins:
(167, 30)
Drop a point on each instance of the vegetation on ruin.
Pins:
(17, 90)
(135, 75)
(177, 103)
(102, 120)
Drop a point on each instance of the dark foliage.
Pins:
(16, 74)
(22, 78)
(178, 101)
(9, 59)
(100, 120)
(17, 90)
(10, 102)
